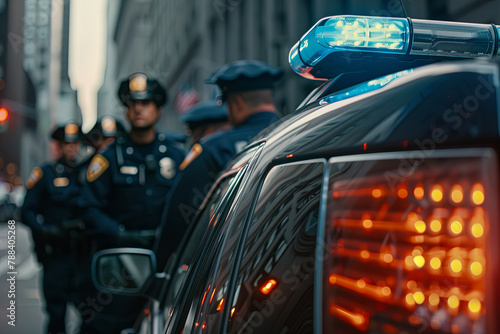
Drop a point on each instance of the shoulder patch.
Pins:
(35, 176)
(195, 151)
(97, 166)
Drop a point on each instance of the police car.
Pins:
(372, 209)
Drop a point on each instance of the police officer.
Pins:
(127, 186)
(50, 210)
(130, 179)
(204, 119)
(247, 89)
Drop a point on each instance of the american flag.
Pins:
(185, 99)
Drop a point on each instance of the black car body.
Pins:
(371, 209)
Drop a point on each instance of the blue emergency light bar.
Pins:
(403, 39)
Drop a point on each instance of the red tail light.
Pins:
(409, 249)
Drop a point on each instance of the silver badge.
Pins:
(167, 168)
(129, 170)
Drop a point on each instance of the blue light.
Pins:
(382, 34)
(365, 87)
(349, 33)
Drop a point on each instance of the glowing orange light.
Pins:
(355, 319)
(474, 305)
(361, 283)
(409, 262)
(364, 146)
(418, 192)
(411, 285)
(434, 299)
(402, 191)
(196, 324)
(437, 193)
(477, 230)
(336, 194)
(367, 223)
(232, 311)
(419, 297)
(146, 311)
(435, 225)
(289, 156)
(376, 193)
(453, 301)
(4, 114)
(386, 291)
(221, 304)
(456, 225)
(365, 254)
(419, 261)
(457, 193)
(268, 286)
(332, 279)
(409, 299)
(476, 268)
(420, 226)
(435, 263)
(456, 266)
(477, 194)
(387, 258)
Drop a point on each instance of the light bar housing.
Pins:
(340, 44)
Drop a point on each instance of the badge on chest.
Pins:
(167, 168)
(61, 182)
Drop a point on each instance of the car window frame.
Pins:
(239, 252)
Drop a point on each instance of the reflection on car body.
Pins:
(372, 209)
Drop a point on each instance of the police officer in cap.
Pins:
(247, 89)
(127, 185)
(129, 181)
(51, 211)
(204, 119)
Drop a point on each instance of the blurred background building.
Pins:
(35, 93)
(183, 41)
(179, 41)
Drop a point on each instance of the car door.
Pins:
(276, 243)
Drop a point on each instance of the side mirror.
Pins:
(123, 270)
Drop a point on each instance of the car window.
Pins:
(282, 236)
(200, 231)
(275, 280)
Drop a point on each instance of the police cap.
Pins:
(70, 132)
(245, 75)
(139, 87)
(105, 127)
(207, 111)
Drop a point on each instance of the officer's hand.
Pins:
(133, 239)
(53, 233)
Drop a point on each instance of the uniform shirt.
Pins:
(51, 198)
(127, 185)
(200, 169)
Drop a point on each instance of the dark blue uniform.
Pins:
(207, 158)
(128, 184)
(124, 198)
(50, 210)
(205, 161)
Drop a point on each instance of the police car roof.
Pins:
(385, 118)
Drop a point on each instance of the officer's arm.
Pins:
(31, 209)
(94, 199)
(182, 203)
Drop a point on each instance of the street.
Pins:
(29, 313)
